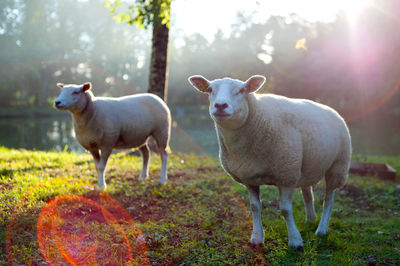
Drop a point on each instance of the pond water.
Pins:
(192, 132)
(195, 135)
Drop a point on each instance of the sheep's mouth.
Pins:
(60, 107)
(221, 115)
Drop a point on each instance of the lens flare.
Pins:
(75, 230)
(83, 232)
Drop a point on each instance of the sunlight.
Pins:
(353, 8)
(301, 44)
(190, 15)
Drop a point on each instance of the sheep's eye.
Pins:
(208, 90)
(240, 92)
(75, 92)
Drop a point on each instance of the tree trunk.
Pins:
(158, 79)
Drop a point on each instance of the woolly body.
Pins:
(122, 123)
(274, 140)
(104, 123)
(286, 142)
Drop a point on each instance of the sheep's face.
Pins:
(72, 97)
(228, 98)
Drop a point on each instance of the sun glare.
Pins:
(190, 15)
(353, 8)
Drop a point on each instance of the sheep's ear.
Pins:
(200, 83)
(254, 83)
(60, 85)
(86, 86)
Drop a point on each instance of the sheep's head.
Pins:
(72, 97)
(228, 97)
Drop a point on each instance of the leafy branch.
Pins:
(142, 13)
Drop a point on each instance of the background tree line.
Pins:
(352, 67)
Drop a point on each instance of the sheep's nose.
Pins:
(221, 106)
(58, 103)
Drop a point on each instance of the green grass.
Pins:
(200, 217)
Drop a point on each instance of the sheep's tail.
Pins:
(168, 149)
(152, 144)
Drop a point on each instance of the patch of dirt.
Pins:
(356, 194)
(126, 175)
(7, 186)
(353, 192)
(177, 176)
(150, 207)
(143, 209)
(207, 169)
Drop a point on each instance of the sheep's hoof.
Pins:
(163, 180)
(320, 232)
(102, 188)
(299, 249)
(142, 178)
(297, 244)
(255, 241)
(257, 247)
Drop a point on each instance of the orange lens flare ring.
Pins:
(82, 231)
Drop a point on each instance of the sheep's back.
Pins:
(131, 119)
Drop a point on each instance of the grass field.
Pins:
(200, 217)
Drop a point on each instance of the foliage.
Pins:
(45, 42)
(201, 216)
(345, 66)
(156, 13)
(143, 13)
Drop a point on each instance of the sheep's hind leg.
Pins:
(328, 204)
(162, 144)
(96, 159)
(144, 150)
(164, 162)
(309, 203)
(257, 236)
(105, 153)
(285, 205)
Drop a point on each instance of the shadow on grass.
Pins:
(10, 173)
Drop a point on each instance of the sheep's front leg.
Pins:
(105, 153)
(164, 161)
(308, 197)
(257, 237)
(285, 203)
(144, 150)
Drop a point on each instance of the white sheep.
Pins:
(274, 140)
(104, 123)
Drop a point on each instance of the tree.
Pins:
(143, 14)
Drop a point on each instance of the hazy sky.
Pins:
(207, 16)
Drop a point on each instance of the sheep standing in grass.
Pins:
(273, 140)
(104, 123)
